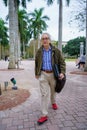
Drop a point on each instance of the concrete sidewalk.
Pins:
(72, 101)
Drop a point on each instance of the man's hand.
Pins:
(61, 76)
(36, 76)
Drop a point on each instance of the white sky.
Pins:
(69, 32)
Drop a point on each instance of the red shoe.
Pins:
(54, 106)
(42, 120)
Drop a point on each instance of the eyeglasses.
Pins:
(46, 38)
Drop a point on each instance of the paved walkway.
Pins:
(72, 102)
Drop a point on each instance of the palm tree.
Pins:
(49, 2)
(14, 31)
(23, 29)
(3, 36)
(38, 22)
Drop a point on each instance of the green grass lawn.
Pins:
(70, 60)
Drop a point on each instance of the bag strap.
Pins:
(53, 54)
(55, 66)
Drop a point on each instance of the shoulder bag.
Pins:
(59, 83)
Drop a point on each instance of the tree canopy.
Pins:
(72, 47)
(79, 15)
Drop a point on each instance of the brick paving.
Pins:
(72, 101)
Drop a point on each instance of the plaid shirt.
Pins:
(47, 59)
(59, 59)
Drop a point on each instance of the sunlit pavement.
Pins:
(72, 101)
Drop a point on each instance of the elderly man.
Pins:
(44, 61)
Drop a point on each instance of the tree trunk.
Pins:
(19, 47)
(17, 41)
(38, 41)
(0, 51)
(60, 26)
(23, 49)
(34, 46)
(11, 35)
(85, 69)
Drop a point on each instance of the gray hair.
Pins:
(47, 35)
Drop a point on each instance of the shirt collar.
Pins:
(48, 49)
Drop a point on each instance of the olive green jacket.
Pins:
(58, 60)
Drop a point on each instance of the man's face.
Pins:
(45, 40)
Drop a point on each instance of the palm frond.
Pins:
(5, 2)
(45, 17)
(29, 0)
(49, 2)
(68, 1)
(23, 2)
